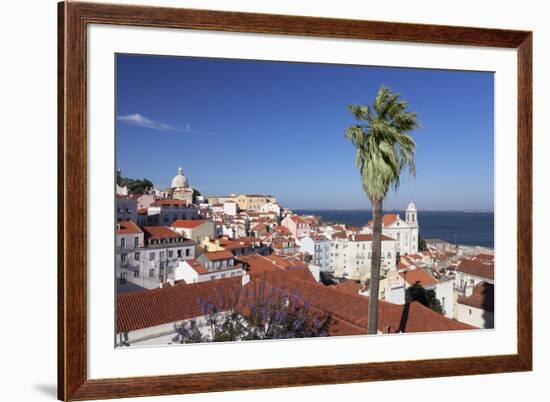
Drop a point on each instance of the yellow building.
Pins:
(245, 201)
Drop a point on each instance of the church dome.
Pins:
(411, 207)
(179, 180)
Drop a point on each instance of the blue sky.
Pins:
(275, 127)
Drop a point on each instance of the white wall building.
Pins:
(230, 208)
(470, 273)
(164, 212)
(351, 255)
(192, 271)
(126, 208)
(271, 207)
(405, 232)
(318, 247)
(476, 307)
(147, 258)
(196, 230)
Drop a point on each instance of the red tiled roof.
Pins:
(282, 230)
(348, 286)
(477, 268)
(418, 275)
(298, 219)
(187, 224)
(137, 310)
(484, 257)
(401, 265)
(127, 227)
(285, 262)
(353, 308)
(158, 203)
(160, 232)
(258, 265)
(367, 237)
(197, 266)
(149, 308)
(218, 255)
(482, 297)
(387, 220)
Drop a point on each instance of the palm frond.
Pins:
(383, 146)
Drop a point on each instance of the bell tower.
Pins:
(411, 216)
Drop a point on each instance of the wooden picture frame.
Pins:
(73, 382)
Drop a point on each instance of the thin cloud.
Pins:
(137, 119)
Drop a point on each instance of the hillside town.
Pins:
(183, 257)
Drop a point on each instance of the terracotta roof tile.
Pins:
(137, 310)
(159, 203)
(160, 232)
(187, 224)
(348, 286)
(477, 268)
(418, 275)
(482, 297)
(218, 255)
(127, 227)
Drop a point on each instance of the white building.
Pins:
(471, 272)
(271, 207)
(192, 271)
(164, 212)
(318, 247)
(230, 208)
(147, 258)
(476, 307)
(196, 230)
(405, 232)
(351, 255)
(126, 208)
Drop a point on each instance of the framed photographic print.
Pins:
(251, 201)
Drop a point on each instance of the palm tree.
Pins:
(383, 150)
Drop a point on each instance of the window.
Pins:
(123, 257)
(152, 273)
(170, 253)
(136, 274)
(169, 270)
(136, 241)
(161, 255)
(389, 255)
(122, 242)
(212, 277)
(123, 277)
(151, 256)
(136, 256)
(470, 311)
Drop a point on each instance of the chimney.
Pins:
(245, 279)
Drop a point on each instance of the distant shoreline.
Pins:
(467, 211)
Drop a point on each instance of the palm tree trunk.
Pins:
(375, 266)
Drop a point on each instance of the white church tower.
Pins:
(411, 218)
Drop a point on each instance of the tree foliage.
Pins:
(422, 245)
(428, 298)
(383, 148)
(262, 311)
(135, 186)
